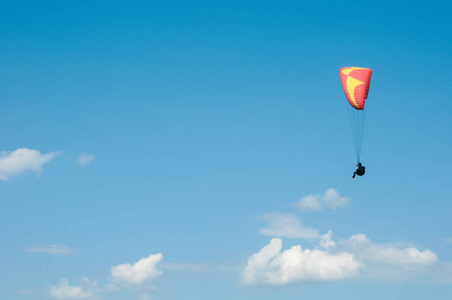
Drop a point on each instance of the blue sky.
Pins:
(168, 150)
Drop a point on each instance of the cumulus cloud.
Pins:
(270, 266)
(51, 249)
(387, 256)
(287, 225)
(136, 277)
(23, 160)
(356, 257)
(326, 241)
(85, 159)
(143, 271)
(65, 291)
(330, 199)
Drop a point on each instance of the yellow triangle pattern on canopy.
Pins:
(352, 83)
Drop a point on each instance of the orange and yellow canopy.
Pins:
(355, 82)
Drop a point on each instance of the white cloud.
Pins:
(270, 266)
(23, 160)
(330, 199)
(310, 202)
(326, 241)
(143, 271)
(287, 225)
(85, 159)
(136, 277)
(408, 258)
(65, 291)
(51, 249)
(357, 256)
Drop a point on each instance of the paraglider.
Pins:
(355, 82)
(360, 170)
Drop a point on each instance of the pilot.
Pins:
(360, 171)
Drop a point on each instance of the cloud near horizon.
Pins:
(270, 266)
(388, 260)
(137, 277)
(330, 200)
(23, 160)
(356, 257)
(65, 291)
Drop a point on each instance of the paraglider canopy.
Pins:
(355, 82)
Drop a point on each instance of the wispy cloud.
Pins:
(329, 200)
(287, 225)
(200, 267)
(145, 297)
(24, 292)
(447, 240)
(85, 159)
(65, 291)
(194, 268)
(23, 160)
(51, 249)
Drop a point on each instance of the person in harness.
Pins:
(360, 171)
